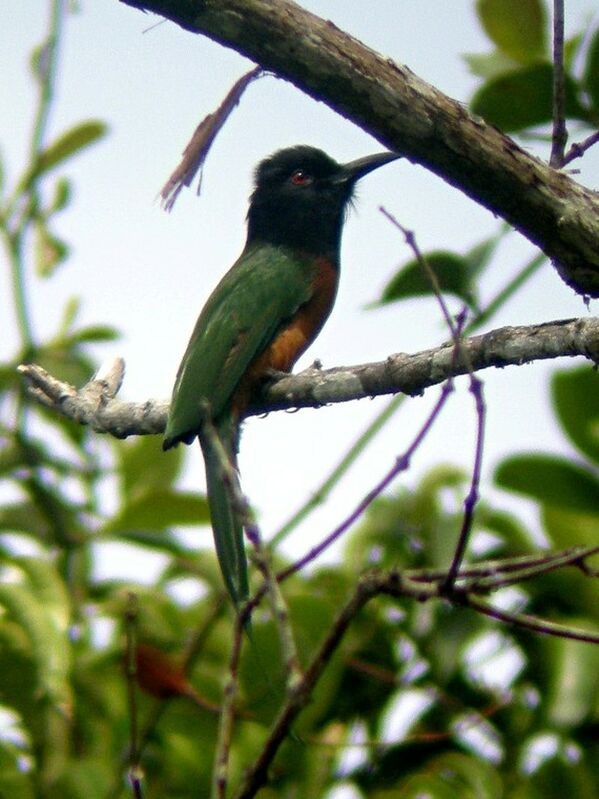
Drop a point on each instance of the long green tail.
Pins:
(226, 526)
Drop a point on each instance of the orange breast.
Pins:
(293, 339)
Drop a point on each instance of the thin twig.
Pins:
(321, 493)
(476, 389)
(578, 149)
(491, 575)
(559, 135)
(456, 328)
(401, 464)
(135, 774)
(410, 240)
(26, 195)
(528, 570)
(257, 775)
(156, 712)
(526, 621)
(279, 610)
(408, 585)
(220, 772)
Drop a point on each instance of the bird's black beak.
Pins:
(352, 172)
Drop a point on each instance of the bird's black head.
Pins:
(300, 198)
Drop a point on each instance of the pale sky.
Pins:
(148, 272)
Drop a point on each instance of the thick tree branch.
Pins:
(95, 404)
(411, 117)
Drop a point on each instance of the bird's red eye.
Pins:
(300, 178)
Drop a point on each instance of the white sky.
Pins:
(148, 273)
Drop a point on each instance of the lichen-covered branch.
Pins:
(411, 117)
(96, 405)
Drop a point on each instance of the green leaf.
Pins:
(573, 691)
(61, 198)
(517, 539)
(262, 673)
(447, 776)
(144, 468)
(18, 669)
(159, 509)
(12, 456)
(9, 377)
(571, 48)
(14, 780)
(50, 251)
(566, 528)
(89, 777)
(161, 540)
(551, 480)
(38, 60)
(69, 314)
(479, 256)
(576, 400)
(70, 143)
(564, 773)
(49, 649)
(93, 333)
(23, 517)
(66, 364)
(48, 588)
(489, 65)
(591, 71)
(517, 27)
(452, 271)
(524, 98)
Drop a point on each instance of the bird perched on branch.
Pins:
(260, 318)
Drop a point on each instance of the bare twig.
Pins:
(491, 575)
(369, 586)
(401, 464)
(256, 776)
(410, 240)
(279, 610)
(421, 586)
(559, 135)
(135, 773)
(319, 495)
(530, 622)
(476, 389)
(220, 773)
(578, 149)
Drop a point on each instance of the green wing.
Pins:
(259, 294)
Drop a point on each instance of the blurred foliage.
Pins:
(419, 700)
(516, 91)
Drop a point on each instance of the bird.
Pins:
(263, 314)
